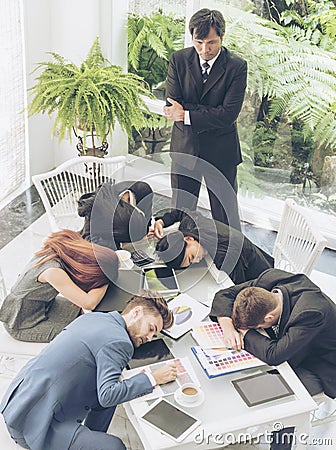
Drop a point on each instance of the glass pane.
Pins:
(287, 125)
(142, 8)
(288, 98)
(12, 131)
(156, 29)
(153, 143)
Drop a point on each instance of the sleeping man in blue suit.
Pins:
(64, 398)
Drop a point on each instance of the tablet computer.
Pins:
(161, 279)
(150, 353)
(261, 388)
(170, 420)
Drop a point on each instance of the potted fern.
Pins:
(89, 97)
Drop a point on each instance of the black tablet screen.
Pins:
(150, 353)
(262, 388)
(169, 419)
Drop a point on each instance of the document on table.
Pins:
(185, 374)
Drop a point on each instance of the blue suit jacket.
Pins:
(77, 371)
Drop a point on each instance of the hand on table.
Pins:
(165, 374)
(232, 337)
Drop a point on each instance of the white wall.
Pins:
(37, 42)
(69, 28)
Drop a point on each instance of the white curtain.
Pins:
(12, 95)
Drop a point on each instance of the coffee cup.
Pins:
(124, 257)
(189, 393)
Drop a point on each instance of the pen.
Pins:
(152, 223)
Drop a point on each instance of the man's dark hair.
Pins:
(251, 305)
(171, 249)
(201, 22)
(152, 303)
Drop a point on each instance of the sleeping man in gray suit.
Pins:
(64, 398)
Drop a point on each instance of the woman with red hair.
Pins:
(68, 265)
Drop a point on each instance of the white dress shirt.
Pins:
(202, 61)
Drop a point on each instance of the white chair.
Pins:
(61, 188)
(326, 411)
(299, 242)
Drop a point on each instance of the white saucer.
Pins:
(126, 265)
(187, 404)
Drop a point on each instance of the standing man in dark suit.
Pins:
(65, 398)
(298, 318)
(205, 90)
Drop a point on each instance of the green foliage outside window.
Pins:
(151, 41)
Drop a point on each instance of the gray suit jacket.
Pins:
(77, 371)
(214, 107)
(307, 334)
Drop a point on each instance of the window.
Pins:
(12, 99)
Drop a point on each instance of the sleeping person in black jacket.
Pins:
(299, 321)
(198, 236)
(116, 213)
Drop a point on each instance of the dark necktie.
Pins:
(205, 74)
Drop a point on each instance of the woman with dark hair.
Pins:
(116, 213)
(198, 236)
(68, 265)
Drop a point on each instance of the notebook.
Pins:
(221, 360)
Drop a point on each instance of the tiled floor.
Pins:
(17, 251)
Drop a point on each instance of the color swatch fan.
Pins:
(220, 361)
(208, 334)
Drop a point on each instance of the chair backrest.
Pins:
(299, 242)
(61, 188)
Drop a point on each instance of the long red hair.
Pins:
(89, 265)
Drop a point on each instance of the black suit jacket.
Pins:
(112, 225)
(307, 335)
(214, 107)
(230, 250)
